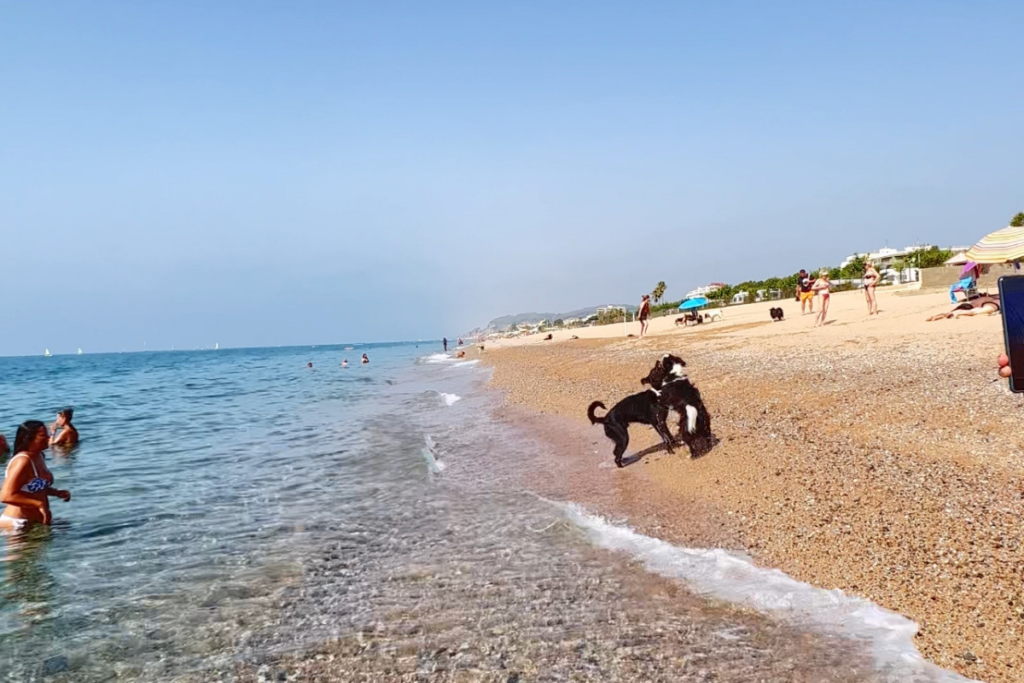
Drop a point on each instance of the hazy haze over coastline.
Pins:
(260, 174)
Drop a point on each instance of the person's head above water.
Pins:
(309, 365)
(64, 416)
(31, 437)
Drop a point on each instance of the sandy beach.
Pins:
(878, 455)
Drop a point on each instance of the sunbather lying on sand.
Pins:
(982, 306)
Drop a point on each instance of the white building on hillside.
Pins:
(886, 256)
(704, 291)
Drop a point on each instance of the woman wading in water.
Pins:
(27, 481)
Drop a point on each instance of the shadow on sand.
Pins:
(701, 447)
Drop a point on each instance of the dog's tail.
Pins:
(594, 419)
(691, 419)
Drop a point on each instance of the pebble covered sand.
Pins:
(879, 456)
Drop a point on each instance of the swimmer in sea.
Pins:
(344, 363)
(62, 432)
(309, 365)
(365, 359)
(28, 484)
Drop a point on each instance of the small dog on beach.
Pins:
(643, 408)
(676, 391)
(776, 314)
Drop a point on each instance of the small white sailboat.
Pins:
(79, 352)
(47, 353)
(216, 346)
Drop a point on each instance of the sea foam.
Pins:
(430, 455)
(726, 576)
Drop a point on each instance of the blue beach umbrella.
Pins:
(691, 304)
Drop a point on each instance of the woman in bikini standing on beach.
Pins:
(822, 285)
(644, 313)
(27, 481)
(871, 278)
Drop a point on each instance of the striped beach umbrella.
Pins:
(999, 247)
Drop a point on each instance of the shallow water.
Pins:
(235, 510)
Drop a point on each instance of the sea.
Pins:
(239, 515)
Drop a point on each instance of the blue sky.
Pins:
(256, 173)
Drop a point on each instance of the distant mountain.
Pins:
(506, 321)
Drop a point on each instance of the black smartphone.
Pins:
(1011, 301)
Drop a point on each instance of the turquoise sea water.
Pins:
(234, 510)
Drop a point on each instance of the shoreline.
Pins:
(879, 456)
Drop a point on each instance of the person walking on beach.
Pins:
(821, 285)
(28, 483)
(871, 278)
(644, 313)
(804, 291)
(444, 342)
(62, 432)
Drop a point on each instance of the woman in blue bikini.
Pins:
(28, 483)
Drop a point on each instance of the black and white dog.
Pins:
(643, 408)
(668, 376)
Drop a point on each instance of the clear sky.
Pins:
(257, 173)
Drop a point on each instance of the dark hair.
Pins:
(27, 431)
(67, 413)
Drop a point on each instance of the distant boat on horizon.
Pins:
(46, 353)
(216, 346)
(79, 351)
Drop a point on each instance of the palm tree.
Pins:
(659, 291)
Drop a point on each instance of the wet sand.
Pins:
(879, 455)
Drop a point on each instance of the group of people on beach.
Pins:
(807, 288)
(28, 482)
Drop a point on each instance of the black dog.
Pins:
(668, 376)
(776, 314)
(642, 408)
